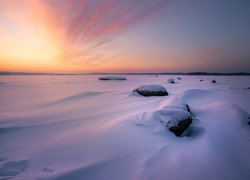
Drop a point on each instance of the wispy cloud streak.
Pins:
(77, 26)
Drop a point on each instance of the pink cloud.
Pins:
(80, 26)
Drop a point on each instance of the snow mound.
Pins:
(237, 115)
(151, 90)
(176, 120)
(171, 116)
(160, 121)
(118, 78)
(177, 103)
(196, 94)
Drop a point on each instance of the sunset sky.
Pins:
(125, 35)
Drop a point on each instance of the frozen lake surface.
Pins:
(78, 127)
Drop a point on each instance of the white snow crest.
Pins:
(152, 88)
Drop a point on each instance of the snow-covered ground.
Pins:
(78, 127)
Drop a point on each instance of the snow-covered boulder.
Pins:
(118, 78)
(171, 81)
(176, 120)
(151, 90)
(177, 103)
(180, 126)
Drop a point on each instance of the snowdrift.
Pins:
(77, 127)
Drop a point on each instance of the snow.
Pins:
(152, 88)
(174, 102)
(172, 116)
(77, 127)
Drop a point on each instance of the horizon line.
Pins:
(125, 73)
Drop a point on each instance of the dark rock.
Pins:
(188, 108)
(151, 90)
(201, 80)
(213, 81)
(171, 81)
(180, 127)
(176, 120)
(178, 78)
(118, 78)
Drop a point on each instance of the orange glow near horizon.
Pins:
(29, 47)
(37, 43)
(81, 36)
(41, 36)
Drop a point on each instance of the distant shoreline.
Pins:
(154, 73)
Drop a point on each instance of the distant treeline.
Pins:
(153, 73)
(179, 73)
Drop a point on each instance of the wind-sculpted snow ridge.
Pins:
(175, 102)
(220, 129)
(11, 169)
(175, 116)
(75, 97)
(91, 129)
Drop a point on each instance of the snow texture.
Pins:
(76, 127)
(152, 88)
(177, 103)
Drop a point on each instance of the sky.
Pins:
(125, 35)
